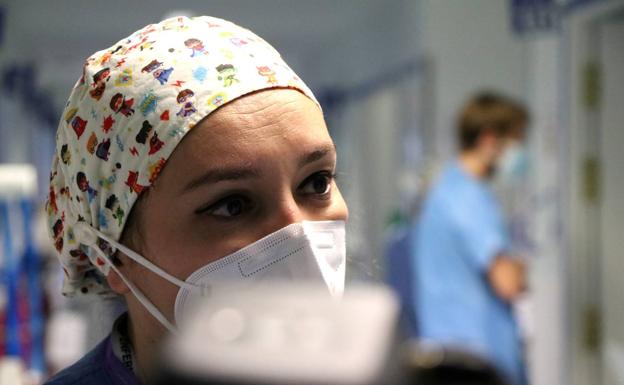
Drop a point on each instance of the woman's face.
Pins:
(254, 166)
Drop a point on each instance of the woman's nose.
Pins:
(286, 212)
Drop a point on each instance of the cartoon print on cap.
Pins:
(57, 235)
(227, 73)
(196, 46)
(69, 114)
(107, 123)
(51, 204)
(267, 72)
(148, 104)
(155, 144)
(187, 106)
(112, 203)
(217, 99)
(83, 185)
(162, 75)
(155, 168)
(152, 66)
(107, 183)
(125, 78)
(132, 182)
(78, 254)
(91, 143)
(120, 105)
(146, 130)
(65, 155)
(102, 149)
(99, 82)
(237, 41)
(147, 45)
(200, 73)
(121, 62)
(79, 125)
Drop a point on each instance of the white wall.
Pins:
(471, 47)
(612, 210)
(547, 266)
(594, 266)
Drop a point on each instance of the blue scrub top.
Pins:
(458, 235)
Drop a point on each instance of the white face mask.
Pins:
(306, 252)
(514, 164)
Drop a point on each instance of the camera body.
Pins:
(287, 334)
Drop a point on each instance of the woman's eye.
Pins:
(229, 207)
(317, 184)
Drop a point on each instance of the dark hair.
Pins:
(489, 112)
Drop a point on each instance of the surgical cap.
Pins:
(131, 107)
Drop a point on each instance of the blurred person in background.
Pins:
(465, 278)
(189, 156)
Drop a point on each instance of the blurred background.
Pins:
(391, 76)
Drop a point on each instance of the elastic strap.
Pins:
(151, 308)
(146, 263)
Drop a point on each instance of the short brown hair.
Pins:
(489, 112)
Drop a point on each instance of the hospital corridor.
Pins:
(338, 192)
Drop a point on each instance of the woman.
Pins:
(199, 141)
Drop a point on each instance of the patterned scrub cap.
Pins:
(127, 113)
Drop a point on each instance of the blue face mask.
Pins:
(514, 163)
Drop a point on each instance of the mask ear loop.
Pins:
(88, 236)
(134, 256)
(151, 308)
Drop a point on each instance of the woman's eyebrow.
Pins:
(222, 174)
(317, 154)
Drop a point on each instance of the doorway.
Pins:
(596, 271)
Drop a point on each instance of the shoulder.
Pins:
(86, 371)
(459, 200)
(451, 191)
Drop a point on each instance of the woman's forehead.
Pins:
(267, 127)
(266, 107)
(275, 116)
